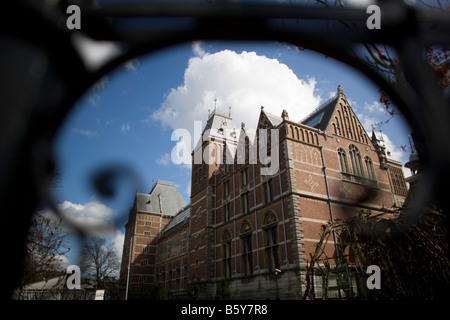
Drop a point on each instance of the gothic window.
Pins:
(224, 156)
(343, 160)
(226, 236)
(247, 149)
(244, 177)
(178, 281)
(355, 157)
(226, 212)
(269, 218)
(271, 240)
(226, 189)
(245, 202)
(369, 168)
(226, 254)
(246, 245)
(268, 191)
(169, 280)
(226, 262)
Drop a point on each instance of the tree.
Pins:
(159, 291)
(46, 243)
(100, 260)
(223, 291)
(414, 258)
(385, 62)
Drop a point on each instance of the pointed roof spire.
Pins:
(374, 135)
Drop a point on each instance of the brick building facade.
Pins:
(255, 223)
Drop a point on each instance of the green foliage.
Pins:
(223, 291)
(414, 258)
(159, 291)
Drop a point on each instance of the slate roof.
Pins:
(181, 217)
(320, 117)
(164, 198)
(274, 120)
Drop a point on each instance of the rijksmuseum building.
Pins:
(252, 230)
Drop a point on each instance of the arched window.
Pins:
(226, 236)
(271, 240)
(269, 218)
(343, 160)
(246, 248)
(355, 157)
(369, 168)
(245, 227)
(246, 149)
(226, 254)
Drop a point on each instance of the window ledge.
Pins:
(359, 180)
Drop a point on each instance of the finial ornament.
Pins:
(339, 89)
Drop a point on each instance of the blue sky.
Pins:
(129, 116)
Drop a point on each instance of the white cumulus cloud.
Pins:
(93, 217)
(243, 81)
